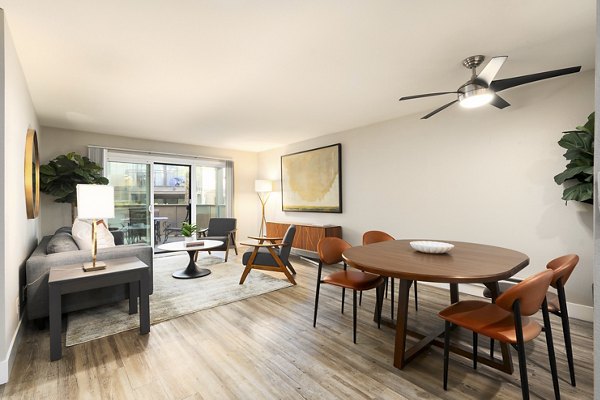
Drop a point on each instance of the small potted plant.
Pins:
(188, 231)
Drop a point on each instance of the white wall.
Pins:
(483, 175)
(20, 235)
(60, 141)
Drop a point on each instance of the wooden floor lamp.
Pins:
(263, 189)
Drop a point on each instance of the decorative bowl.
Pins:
(426, 246)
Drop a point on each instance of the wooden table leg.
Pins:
(55, 323)
(401, 323)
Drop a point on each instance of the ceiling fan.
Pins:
(482, 89)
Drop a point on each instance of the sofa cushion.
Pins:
(61, 242)
(82, 233)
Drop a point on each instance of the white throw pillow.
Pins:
(82, 233)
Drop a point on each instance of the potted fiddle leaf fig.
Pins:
(580, 168)
(61, 176)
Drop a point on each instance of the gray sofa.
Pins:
(60, 249)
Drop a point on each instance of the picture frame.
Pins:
(311, 180)
(31, 175)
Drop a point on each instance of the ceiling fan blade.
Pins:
(490, 71)
(508, 83)
(418, 96)
(439, 109)
(499, 102)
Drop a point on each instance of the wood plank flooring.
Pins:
(266, 348)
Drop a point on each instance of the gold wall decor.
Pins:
(32, 175)
(311, 180)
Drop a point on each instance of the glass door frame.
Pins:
(124, 156)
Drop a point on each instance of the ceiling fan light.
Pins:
(475, 98)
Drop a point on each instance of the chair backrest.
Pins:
(288, 239)
(530, 292)
(330, 249)
(221, 226)
(562, 268)
(376, 236)
(138, 216)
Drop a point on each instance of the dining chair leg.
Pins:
(392, 297)
(343, 298)
(446, 352)
(550, 345)
(379, 295)
(386, 286)
(521, 351)
(360, 299)
(564, 316)
(317, 302)
(475, 336)
(378, 307)
(354, 315)
(416, 299)
(491, 348)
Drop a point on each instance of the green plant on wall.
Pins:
(60, 177)
(580, 169)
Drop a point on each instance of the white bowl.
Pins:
(431, 247)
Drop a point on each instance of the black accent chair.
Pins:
(223, 229)
(270, 256)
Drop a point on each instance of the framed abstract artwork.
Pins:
(311, 180)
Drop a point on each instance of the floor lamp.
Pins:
(95, 202)
(263, 188)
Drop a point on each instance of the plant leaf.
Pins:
(579, 192)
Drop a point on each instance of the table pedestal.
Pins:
(192, 271)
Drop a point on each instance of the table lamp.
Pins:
(263, 188)
(95, 202)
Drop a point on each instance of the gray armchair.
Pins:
(271, 256)
(221, 229)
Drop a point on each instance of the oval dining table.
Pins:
(465, 263)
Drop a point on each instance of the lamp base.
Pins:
(90, 266)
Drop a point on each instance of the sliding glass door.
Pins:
(132, 199)
(211, 196)
(171, 200)
(155, 193)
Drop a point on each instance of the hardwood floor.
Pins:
(266, 348)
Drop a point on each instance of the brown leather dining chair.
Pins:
(380, 236)
(507, 320)
(557, 303)
(330, 251)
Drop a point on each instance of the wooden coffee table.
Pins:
(192, 270)
(72, 278)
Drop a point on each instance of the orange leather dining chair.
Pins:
(507, 320)
(330, 251)
(557, 303)
(380, 236)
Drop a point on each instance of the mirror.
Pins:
(32, 175)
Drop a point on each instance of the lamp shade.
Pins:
(95, 201)
(262, 186)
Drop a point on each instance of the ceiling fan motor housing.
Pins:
(473, 94)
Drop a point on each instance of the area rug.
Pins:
(173, 297)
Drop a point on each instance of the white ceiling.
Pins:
(253, 75)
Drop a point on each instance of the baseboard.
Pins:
(577, 311)
(7, 364)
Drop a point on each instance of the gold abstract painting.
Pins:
(311, 180)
